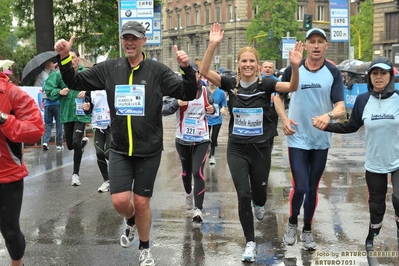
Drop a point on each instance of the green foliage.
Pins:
(280, 17)
(363, 22)
(21, 56)
(5, 24)
(96, 28)
(23, 11)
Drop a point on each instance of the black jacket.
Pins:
(134, 135)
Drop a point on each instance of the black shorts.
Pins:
(124, 169)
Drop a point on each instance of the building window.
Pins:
(197, 18)
(391, 27)
(321, 13)
(230, 12)
(255, 10)
(300, 13)
(218, 14)
(170, 50)
(230, 45)
(178, 21)
(170, 25)
(188, 19)
(187, 50)
(207, 16)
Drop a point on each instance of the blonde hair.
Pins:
(246, 49)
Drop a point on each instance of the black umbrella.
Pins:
(37, 64)
(349, 68)
(363, 68)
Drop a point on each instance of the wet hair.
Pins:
(246, 49)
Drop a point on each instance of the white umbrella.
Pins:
(5, 64)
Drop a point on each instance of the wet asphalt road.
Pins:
(67, 225)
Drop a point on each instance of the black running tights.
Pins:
(10, 210)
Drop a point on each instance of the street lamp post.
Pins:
(235, 37)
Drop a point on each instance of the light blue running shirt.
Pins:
(316, 95)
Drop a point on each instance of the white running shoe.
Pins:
(189, 200)
(45, 147)
(60, 148)
(85, 140)
(146, 258)
(249, 252)
(104, 187)
(290, 235)
(75, 180)
(308, 242)
(197, 217)
(128, 236)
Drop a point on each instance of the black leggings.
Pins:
(73, 137)
(102, 138)
(377, 187)
(249, 167)
(10, 209)
(192, 161)
(214, 132)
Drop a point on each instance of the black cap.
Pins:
(133, 27)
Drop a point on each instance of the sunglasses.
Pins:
(131, 38)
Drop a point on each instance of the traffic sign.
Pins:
(339, 21)
(288, 44)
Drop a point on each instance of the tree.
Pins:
(6, 26)
(280, 18)
(97, 27)
(364, 21)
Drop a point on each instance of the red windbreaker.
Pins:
(24, 124)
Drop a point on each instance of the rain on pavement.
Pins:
(66, 225)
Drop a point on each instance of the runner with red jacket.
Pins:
(20, 121)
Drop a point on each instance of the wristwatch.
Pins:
(3, 118)
(330, 114)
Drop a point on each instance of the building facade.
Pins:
(186, 23)
(386, 29)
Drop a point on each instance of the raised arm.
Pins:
(215, 37)
(295, 61)
(63, 47)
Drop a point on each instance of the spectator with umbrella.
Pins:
(36, 65)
